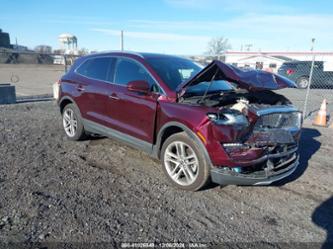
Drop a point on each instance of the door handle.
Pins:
(113, 96)
(80, 88)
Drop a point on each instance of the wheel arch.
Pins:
(174, 127)
(303, 76)
(65, 101)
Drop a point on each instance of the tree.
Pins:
(83, 51)
(217, 45)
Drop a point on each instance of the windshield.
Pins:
(173, 70)
(216, 86)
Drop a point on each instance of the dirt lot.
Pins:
(55, 190)
(30, 79)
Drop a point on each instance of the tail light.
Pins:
(56, 88)
(290, 71)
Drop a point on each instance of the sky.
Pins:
(171, 26)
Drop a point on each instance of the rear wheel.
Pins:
(72, 123)
(302, 82)
(184, 164)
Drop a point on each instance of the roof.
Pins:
(279, 58)
(140, 54)
(283, 53)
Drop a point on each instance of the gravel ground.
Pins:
(56, 190)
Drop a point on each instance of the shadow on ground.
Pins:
(323, 217)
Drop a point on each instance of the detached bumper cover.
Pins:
(264, 177)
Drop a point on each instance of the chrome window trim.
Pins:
(117, 57)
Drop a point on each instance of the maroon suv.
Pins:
(216, 123)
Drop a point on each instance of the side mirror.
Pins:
(141, 86)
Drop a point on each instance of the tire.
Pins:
(72, 123)
(302, 82)
(189, 174)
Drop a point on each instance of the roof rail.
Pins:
(119, 51)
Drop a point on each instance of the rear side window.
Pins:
(128, 71)
(97, 68)
(288, 65)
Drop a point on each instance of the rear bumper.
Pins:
(267, 176)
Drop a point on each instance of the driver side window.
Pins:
(127, 71)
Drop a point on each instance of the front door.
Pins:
(130, 112)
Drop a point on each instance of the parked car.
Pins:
(299, 72)
(217, 123)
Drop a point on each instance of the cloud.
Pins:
(155, 36)
(253, 6)
(266, 31)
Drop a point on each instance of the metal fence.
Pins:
(34, 74)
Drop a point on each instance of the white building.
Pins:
(271, 61)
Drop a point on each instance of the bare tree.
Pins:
(83, 51)
(218, 45)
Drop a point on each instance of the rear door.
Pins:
(131, 112)
(94, 75)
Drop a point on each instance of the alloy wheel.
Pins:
(303, 83)
(181, 163)
(69, 122)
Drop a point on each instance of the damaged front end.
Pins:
(253, 132)
(267, 152)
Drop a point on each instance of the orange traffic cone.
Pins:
(321, 117)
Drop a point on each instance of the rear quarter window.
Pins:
(97, 68)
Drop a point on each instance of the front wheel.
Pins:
(184, 163)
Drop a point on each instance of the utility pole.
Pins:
(122, 40)
(310, 78)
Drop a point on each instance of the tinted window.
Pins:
(128, 70)
(97, 68)
(288, 65)
(173, 70)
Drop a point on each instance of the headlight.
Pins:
(288, 120)
(229, 118)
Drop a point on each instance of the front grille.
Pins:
(286, 120)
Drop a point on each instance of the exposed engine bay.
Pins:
(266, 128)
(229, 98)
(258, 129)
(266, 117)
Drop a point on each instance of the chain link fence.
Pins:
(33, 75)
(314, 79)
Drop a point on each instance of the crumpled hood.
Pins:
(251, 80)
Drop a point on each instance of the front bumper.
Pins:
(266, 176)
